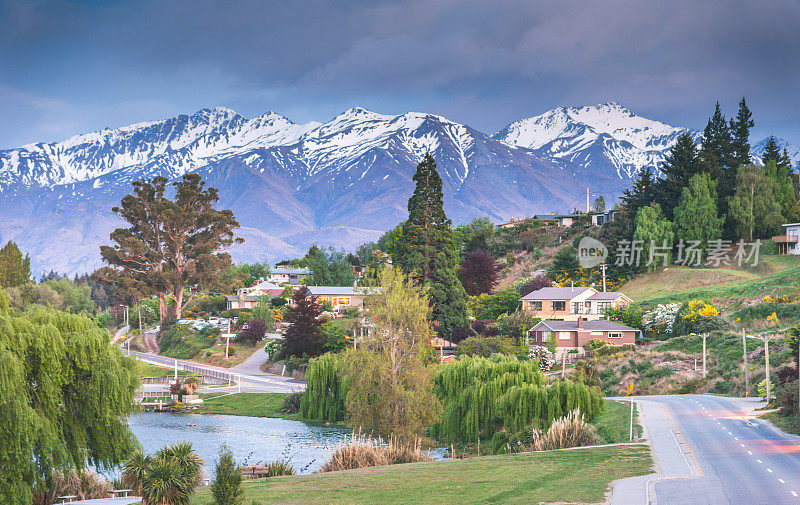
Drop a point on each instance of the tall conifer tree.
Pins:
(771, 151)
(427, 252)
(740, 136)
(15, 269)
(681, 165)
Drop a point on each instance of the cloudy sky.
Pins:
(72, 67)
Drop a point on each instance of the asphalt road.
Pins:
(250, 383)
(712, 450)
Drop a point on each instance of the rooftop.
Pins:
(291, 271)
(597, 325)
(555, 293)
(606, 295)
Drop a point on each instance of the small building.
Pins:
(570, 304)
(242, 300)
(286, 275)
(340, 297)
(787, 243)
(573, 335)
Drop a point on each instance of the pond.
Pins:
(252, 440)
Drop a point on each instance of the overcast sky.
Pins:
(73, 67)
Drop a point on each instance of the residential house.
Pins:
(573, 335)
(788, 243)
(286, 275)
(340, 297)
(569, 304)
(241, 300)
(247, 298)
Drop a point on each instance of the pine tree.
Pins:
(682, 164)
(599, 204)
(716, 157)
(227, 485)
(740, 136)
(771, 151)
(304, 333)
(784, 190)
(623, 226)
(696, 215)
(15, 269)
(654, 231)
(427, 252)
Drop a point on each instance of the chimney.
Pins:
(572, 285)
(580, 323)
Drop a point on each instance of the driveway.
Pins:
(713, 450)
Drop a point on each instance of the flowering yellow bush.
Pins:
(767, 299)
(698, 309)
(773, 318)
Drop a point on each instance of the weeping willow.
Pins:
(326, 391)
(481, 395)
(65, 396)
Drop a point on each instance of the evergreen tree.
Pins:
(740, 136)
(15, 269)
(655, 233)
(599, 204)
(754, 209)
(622, 227)
(696, 215)
(681, 164)
(771, 151)
(784, 190)
(427, 251)
(227, 485)
(716, 158)
(785, 160)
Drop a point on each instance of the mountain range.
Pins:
(339, 183)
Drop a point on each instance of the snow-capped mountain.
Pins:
(342, 182)
(757, 151)
(605, 137)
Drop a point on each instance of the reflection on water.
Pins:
(253, 440)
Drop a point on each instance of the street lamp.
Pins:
(765, 339)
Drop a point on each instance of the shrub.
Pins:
(608, 350)
(335, 337)
(86, 485)
(484, 327)
(545, 357)
(479, 345)
(359, 451)
(279, 468)
(661, 320)
(184, 342)
(226, 487)
(253, 331)
(291, 403)
(594, 344)
(500, 443)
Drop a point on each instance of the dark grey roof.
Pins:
(234, 298)
(294, 271)
(608, 295)
(555, 293)
(596, 325)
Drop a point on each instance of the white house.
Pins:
(787, 244)
(285, 275)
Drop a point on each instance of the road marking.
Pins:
(794, 494)
(736, 438)
(729, 433)
(759, 461)
(742, 445)
(782, 481)
(769, 470)
(750, 452)
(685, 442)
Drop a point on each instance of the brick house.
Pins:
(569, 304)
(573, 335)
(340, 297)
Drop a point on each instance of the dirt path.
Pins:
(150, 341)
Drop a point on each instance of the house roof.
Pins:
(596, 325)
(292, 271)
(607, 295)
(792, 224)
(340, 290)
(233, 298)
(264, 285)
(555, 293)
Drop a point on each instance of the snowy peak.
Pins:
(757, 151)
(604, 136)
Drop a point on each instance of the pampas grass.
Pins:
(569, 431)
(86, 485)
(359, 451)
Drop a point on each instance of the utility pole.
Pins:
(744, 357)
(587, 198)
(704, 336)
(765, 339)
(603, 268)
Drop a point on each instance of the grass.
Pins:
(775, 274)
(244, 404)
(148, 370)
(574, 476)
(789, 424)
(614, 423)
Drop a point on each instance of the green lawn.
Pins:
(148, 370)
(574, 476)
(244, 404)
(614, 424)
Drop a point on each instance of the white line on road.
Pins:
(750, 452)
(782, 481)
(794, 494)
(769, 470)
(729, 433)
(759, 461)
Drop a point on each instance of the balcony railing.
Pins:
(785, 239)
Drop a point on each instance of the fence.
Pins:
(210, 375)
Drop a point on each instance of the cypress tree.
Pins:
(717, 160)
(682, 163)
(428, 253)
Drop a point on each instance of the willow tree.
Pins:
(65, 396)
(172, 244)
(427, 252)
(388, 376)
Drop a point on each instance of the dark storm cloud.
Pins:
(80, 65)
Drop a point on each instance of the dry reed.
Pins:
(569, 431)
(360, 451)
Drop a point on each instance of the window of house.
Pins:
(577, 308)
(615, 335)
(564, 335)
(602, 306)
(535, 305)
(342, 300)
(560, 305)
